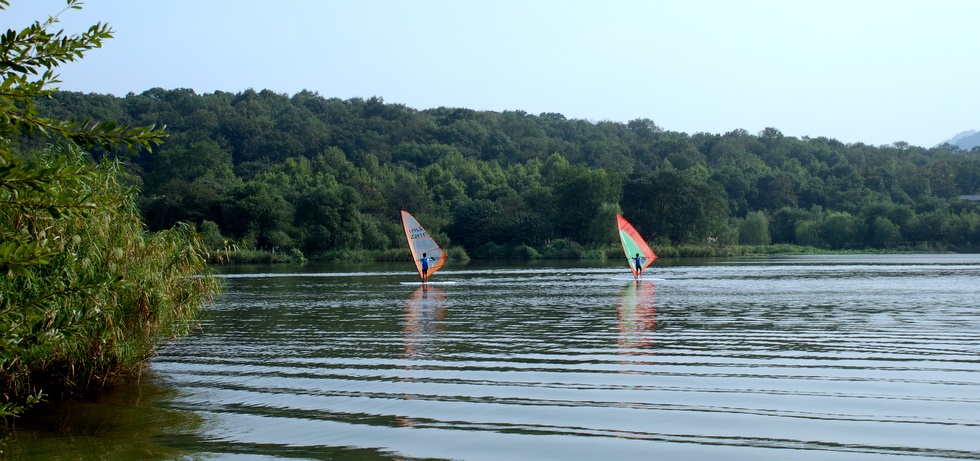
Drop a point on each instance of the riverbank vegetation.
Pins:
(87, 293)
(309, 177)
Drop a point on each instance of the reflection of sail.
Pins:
(425, 311)
(637, 315)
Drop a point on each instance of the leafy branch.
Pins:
(85, 292)
(27, 73)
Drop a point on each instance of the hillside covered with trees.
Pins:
(325, 178)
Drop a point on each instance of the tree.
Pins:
(260, 214)
(841, 230)
(86, 293)
(777, 191)
(190, 162)
(581, 192)
(476, 223)
(754, 230)
(784, 222)
(884, 233)
(675, 207)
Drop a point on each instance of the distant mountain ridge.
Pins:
(966, 140)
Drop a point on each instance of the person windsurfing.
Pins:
(638, 260)
(425, 268)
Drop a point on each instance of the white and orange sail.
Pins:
(420, 242)
(634, 245)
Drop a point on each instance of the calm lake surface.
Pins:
(802, 358)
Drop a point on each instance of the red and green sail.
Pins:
(634, 245)
(420, 242)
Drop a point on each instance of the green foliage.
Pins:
(86, 293)
(27, 73)
(674, 206)
(105, 292)
(458, 254)
(519, 252)
(841, 230)
(326, 176)
(808, 234)
(885, 233)
(754, 229)
(563, 249)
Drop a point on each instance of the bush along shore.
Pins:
(87, 293)
(100, 294)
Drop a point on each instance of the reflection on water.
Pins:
(808, 358)
(637, 315)
(425, 312)
(127, 422)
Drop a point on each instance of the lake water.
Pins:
(803, 358)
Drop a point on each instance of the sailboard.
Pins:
(421, 243)
(634, 245)
(440, 282)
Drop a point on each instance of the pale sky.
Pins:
(866, 71)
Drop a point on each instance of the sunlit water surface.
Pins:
(804, 358)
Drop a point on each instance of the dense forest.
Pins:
(325, 178)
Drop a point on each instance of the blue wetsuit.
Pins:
(425, 267)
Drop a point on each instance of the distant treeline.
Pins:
(324, 177)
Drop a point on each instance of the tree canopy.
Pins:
(322, 175)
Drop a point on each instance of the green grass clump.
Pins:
(87, 294)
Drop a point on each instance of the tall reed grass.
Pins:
(107, 293)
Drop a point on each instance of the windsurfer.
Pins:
(638, 253)
(419, 240)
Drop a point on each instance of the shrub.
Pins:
(105, 293)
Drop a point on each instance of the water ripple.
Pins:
(803, 358)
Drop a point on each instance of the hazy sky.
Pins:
(866, 71)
